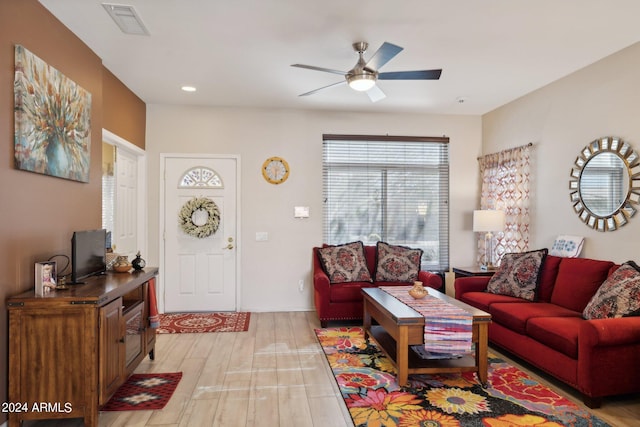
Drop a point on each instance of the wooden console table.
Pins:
(70, 350)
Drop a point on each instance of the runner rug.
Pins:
(181, 323)
(144, 392)
(367, 382)
(447, 329)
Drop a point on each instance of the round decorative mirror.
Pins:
(606, 184)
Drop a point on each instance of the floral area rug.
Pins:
(181, 323)
(367, 382)
(144, 392)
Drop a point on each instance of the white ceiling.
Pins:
(239, 52)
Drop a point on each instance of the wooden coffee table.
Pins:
(399, 327)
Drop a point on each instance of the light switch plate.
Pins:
(262, 236)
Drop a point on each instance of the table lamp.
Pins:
(488, 221)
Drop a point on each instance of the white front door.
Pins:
(200, 273)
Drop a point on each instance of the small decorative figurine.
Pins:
(138, 263)
(418, 291)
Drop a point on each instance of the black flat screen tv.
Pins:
(88, 254)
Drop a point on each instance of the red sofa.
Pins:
(597, 357)
(343, 301)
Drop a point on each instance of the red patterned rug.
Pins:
(367, 382)
(144, 392)
(182, 323)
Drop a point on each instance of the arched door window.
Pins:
(201, 177)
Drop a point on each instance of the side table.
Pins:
(472, 271)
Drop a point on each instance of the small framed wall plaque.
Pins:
(45, 277)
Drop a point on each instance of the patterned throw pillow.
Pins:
(397, 263)
(619, 295)
(518, 275)
(345, 263)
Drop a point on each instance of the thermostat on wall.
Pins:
(301, 212)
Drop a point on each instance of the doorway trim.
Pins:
(141, 156)
(161, 231)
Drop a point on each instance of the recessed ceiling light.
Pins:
(188, 88)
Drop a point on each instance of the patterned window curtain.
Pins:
(505, 186)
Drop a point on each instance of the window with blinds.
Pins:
(391, 189)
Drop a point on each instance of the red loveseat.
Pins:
(343, 301)
(599, 357)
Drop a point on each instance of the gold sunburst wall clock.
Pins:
(275, 170)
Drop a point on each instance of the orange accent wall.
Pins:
(38, 213)
(124, 113)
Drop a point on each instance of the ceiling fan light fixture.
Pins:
(362, 82)
(364, 75)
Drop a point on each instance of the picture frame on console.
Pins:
(45, 277)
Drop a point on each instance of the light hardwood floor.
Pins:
(275, 374)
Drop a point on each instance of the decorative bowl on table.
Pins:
(122, 264)
(418, 291)
(121, 268)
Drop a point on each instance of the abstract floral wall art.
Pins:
(52, 120)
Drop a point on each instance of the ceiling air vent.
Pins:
(127, 18)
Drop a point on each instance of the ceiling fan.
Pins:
(364, 75)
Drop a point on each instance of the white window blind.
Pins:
(388, 188)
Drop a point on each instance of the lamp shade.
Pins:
(488, 220)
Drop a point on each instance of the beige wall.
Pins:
(560, 119)
(271, 270)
